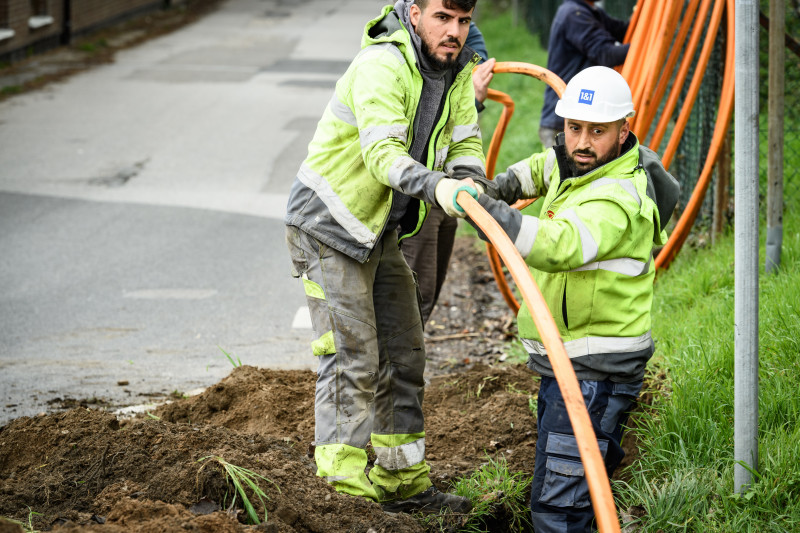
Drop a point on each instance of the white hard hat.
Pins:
(596, 94)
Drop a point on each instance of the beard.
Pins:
(436, 62)
(579, 169)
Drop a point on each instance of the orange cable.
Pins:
(500, 130)
(654, 69)
(633, 22)
(651, 44)
(724, 114)
(694, 87)
(637, 46)
(558, 85)
(677, 83)
(649, 113)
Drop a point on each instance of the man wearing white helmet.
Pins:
(606, 202)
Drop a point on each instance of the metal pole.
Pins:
(746, 244)
(777, 54)
(514, 12)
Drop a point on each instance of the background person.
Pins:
(582, 35)
(400, 132)
(606, 202)
(428, 252)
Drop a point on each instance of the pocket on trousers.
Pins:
(621, 400)
(296, 252)
(565, 484)
(320, 318)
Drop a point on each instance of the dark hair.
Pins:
(463, 5)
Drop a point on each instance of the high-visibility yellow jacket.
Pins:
(358, 160)
(590, 252)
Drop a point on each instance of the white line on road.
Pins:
(302, 319)
(170, 294)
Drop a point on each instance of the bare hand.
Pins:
(481, 77)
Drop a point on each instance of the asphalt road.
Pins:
(141, 207)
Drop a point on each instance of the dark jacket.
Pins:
(581, 36)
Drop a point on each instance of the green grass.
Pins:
(496, 492)
(684, 480)
(499, 499)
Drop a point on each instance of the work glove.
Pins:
(521, 229)
(446, 191)
(505, 187)
(481, 183)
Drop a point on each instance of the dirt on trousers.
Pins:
(85, 470)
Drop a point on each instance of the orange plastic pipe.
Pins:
(645, 70)
(649, 114)
(677, 84)
(724, 114)
(596, 475)
(633, 22)
(694, 87)
(631, 67)
(500, 129)
(656, 58)
(491, 160)
(558, 85)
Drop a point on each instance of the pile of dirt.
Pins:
(85, 470)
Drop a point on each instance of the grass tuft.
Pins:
(499, 498)
(235, 362)
(242, 478)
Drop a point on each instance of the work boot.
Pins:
(429, 501)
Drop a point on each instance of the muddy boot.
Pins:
(429, 501)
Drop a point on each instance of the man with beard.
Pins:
(400, 132)
(428, 252)
(606, 202)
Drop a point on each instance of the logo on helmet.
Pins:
(586, 97)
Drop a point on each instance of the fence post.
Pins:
(721, 192)
(777, 28)
(746, 243)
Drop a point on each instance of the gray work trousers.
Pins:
(428, 254)
(372, 379)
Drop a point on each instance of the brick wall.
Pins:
(33, 34)
(17, 16)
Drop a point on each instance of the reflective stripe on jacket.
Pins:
(358, 159)
(590, 252)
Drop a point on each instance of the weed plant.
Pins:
(242, 479)
(499, 499)
(498, 495)
(236, 363)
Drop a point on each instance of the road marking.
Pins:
(302, 319)
(170, 294)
